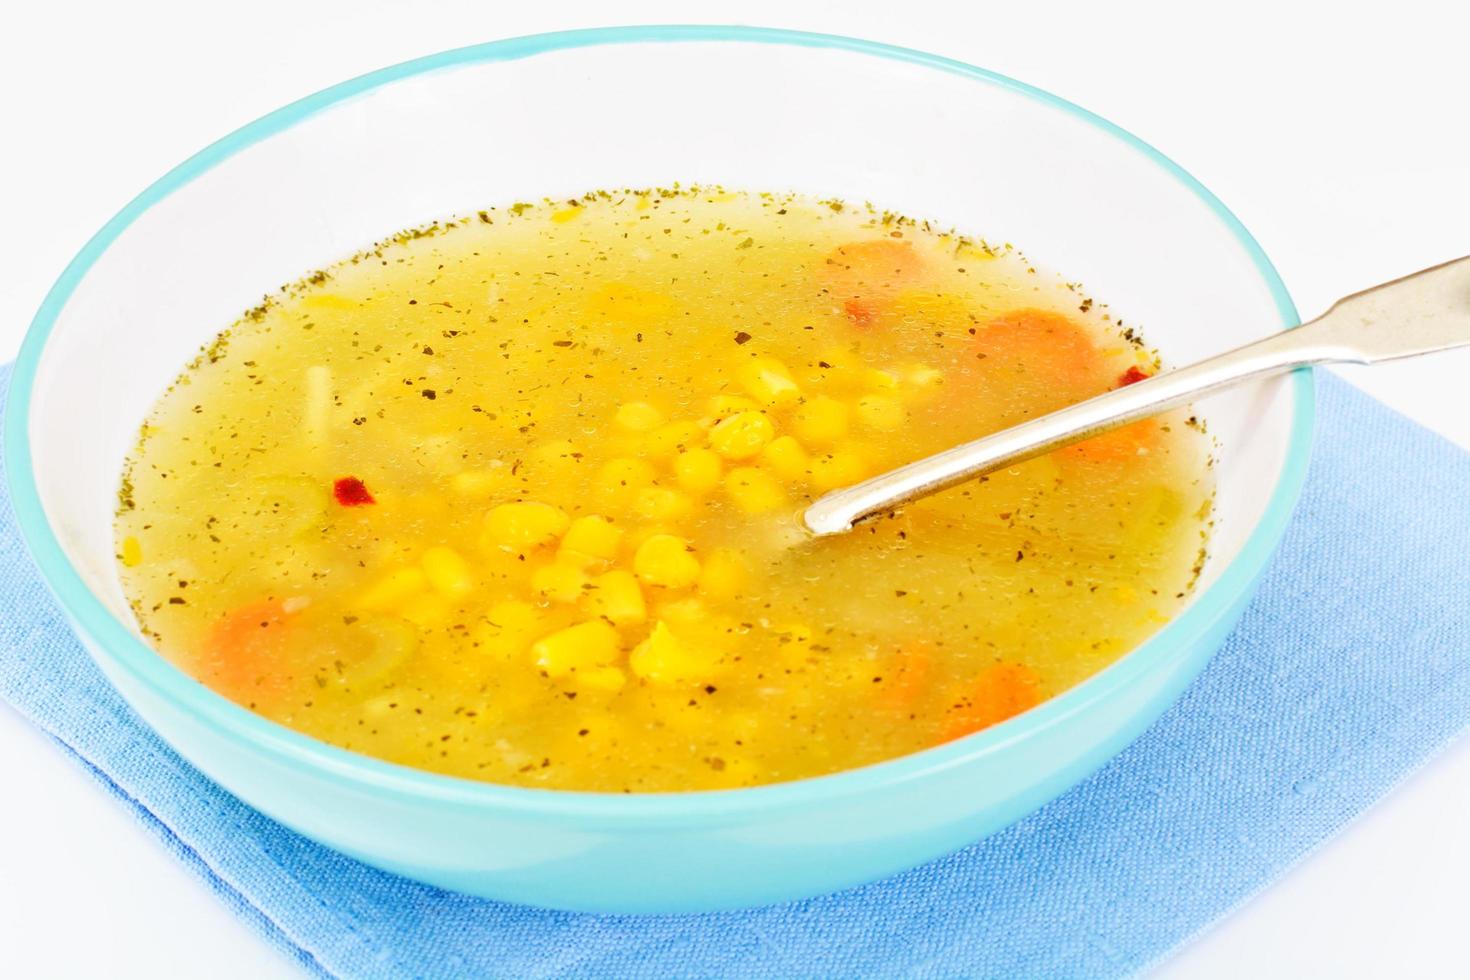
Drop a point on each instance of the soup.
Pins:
(514, 496)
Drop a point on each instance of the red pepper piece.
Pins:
(1132, 376)
(352, 492)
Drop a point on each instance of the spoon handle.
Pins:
(1418, 314)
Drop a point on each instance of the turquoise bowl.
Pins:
(642, 106)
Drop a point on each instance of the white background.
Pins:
(1339, 138)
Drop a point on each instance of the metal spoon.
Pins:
(1419, 314)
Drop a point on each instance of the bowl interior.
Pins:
(480, 127)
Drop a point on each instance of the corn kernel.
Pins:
(769, 382)
(559, 581)
(821, 421)
(522, 525)
(617, 597)
(664, 658)
(662, 504)
(723, 574)
(429, 610)
(584, 646)
(393, 588)
(671, 437)
(482, 483)
(665, 559)
(742, 435)
(754, 491)
(562, 215)
(448, 572)
(786, 458)
(638, 416)
(625, 473)
(132, 552)
(882, 412)
(508, 629)
(698, 470)
(593, 535)
(602, 680)
(841, 468)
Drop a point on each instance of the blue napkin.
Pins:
(1350, 668)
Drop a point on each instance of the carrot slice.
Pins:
(864, 276)
(1131, 440)
(1039, 360)
(242, 653)
(1001, 691)
(878, 262)
(1124, 443)
(1044, 344)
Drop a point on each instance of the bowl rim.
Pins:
(158, 676)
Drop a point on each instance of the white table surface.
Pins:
(1338, 138)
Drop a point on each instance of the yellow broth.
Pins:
(513, 497)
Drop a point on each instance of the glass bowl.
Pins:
(556, 115)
